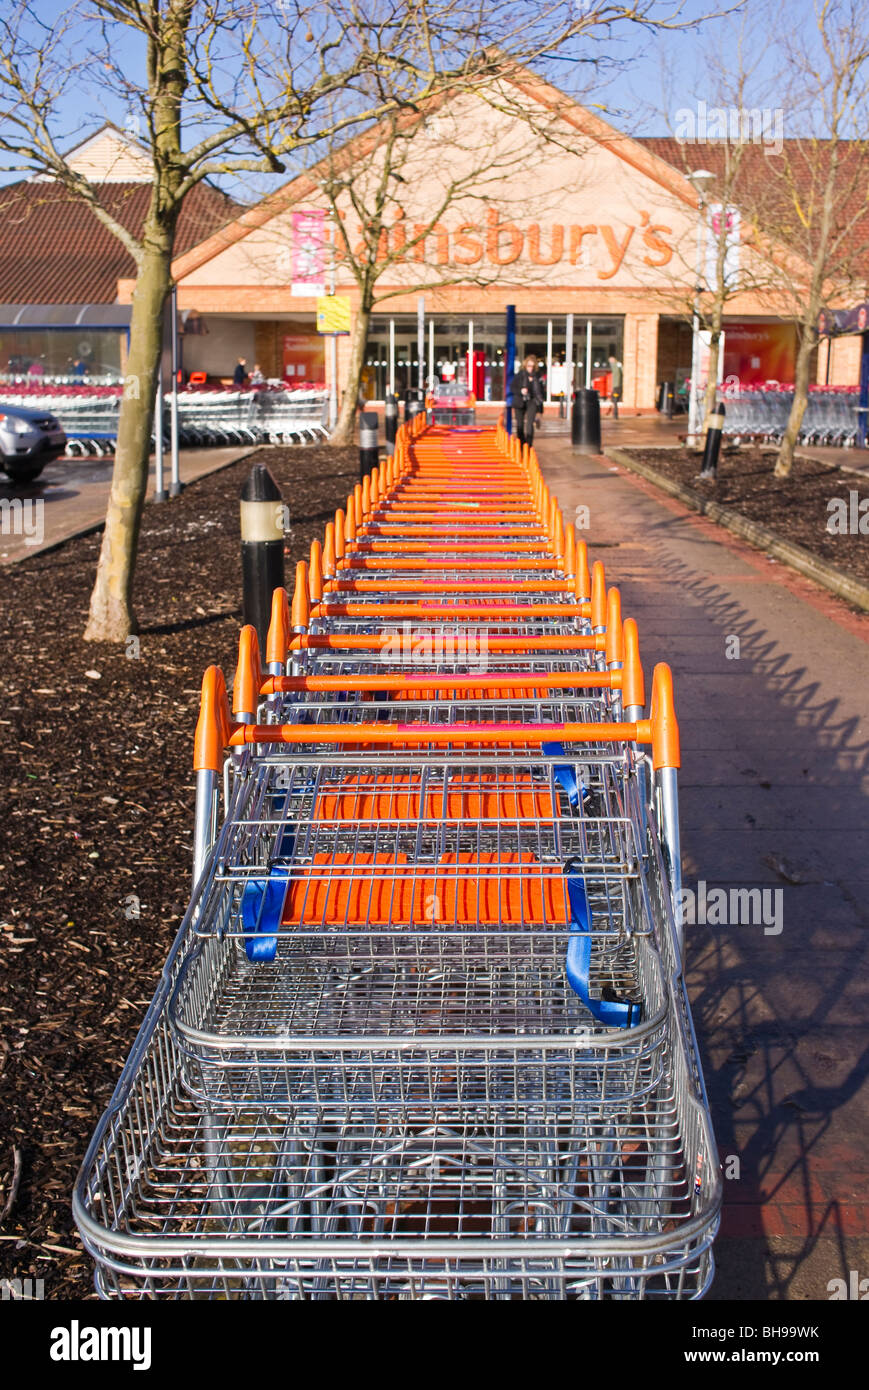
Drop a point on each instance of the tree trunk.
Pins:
(712, 383)
(785, 459)
(343, 431)
(111, 612)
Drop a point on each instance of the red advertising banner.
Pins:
(759, 352)
(308, 259)
(304, 358)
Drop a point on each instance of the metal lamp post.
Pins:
(175, 484)
(700, 181)
(333, 338)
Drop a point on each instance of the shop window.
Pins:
(451, 345)
(60, 353)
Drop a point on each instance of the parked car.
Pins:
(450, 403)
(29, 439)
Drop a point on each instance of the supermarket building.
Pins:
(568, 217)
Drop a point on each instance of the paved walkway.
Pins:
(773, 795)
(74, 494)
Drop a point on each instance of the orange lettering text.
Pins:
(422, 230)
(534, 245)
(576, 236)
(617, 250)
(398, 238)
(471, 246)
(654, 243)
(495, 230)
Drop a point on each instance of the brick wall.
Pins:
(267, 346)
(674, 347)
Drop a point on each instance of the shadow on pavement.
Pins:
(780, 1020)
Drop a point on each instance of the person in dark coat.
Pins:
(617, 382)
(239, 376)
(526, 389)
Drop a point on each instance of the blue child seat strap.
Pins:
(613, 1013)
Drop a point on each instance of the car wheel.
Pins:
(23, 472)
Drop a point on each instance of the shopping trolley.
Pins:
(512, 1146)
(423, 1032)
(263, 415)
(761, 413)
(404, 1108)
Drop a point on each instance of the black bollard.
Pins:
(585, 422)
(390, 420)
(714, 429)
(368, 454)
(262, 549)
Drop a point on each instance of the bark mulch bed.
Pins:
(95, 854)
(796, 508)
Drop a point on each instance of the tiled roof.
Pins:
(766, 183)
(54, 250)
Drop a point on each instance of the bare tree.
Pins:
(727, 132)
(230, 88)
(390, 209)
(247, 83)
(467, 163)
(812, 208)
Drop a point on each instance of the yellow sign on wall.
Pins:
(333, 314)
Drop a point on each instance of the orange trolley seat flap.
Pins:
(346, 890)
(508, 890)
(468, 797)
(351, 890)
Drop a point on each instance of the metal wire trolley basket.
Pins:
(559, 1165)
(381, 1110)
(423, 1033)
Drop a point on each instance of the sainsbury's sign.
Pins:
(501, 242)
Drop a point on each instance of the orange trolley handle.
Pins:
(215, 731)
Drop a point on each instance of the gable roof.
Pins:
(54, 249)
(111, 155)
(528, 86)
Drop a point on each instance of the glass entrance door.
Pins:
(375, 371)
(446, 351)
(450, 357)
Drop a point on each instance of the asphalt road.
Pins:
(70, 496)
(771, 675)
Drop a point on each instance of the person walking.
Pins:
(617, 372)
(526, 389)
(239, 376)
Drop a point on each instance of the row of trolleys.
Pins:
(423, 1033)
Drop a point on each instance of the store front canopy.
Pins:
(36, 316)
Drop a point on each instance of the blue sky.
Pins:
(655, 74)
(633, 77)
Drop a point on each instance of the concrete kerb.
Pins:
(835, 580)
